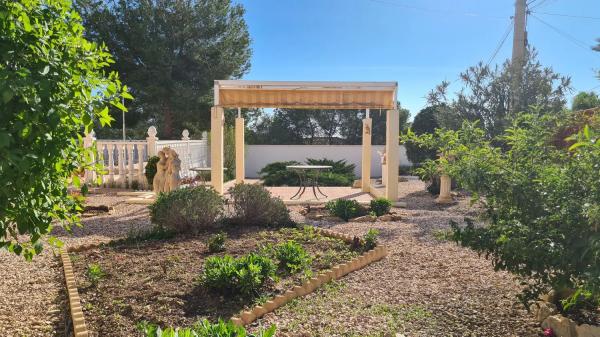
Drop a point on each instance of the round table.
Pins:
(305, 180)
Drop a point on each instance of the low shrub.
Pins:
(203, 329)
(94, 273)
(216, 242)
(155, 233)
(188, 209)
(345, 208)
(380, 206)
(370, 239)
(253, 205)
(292, 257)
(244, 275)
(276, 174)
(341, 173)
(150, 171)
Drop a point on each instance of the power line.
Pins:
(538, 4)
(569, 37)
(509, 29)
(438, 11)
(569, 15)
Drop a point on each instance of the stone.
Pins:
(158, 182)
(364, 218)
(562, 326)
(172, 177)
(400, 204)
(543, 310)
(586, 330)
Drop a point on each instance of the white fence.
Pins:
(258, 156)
(125, 161)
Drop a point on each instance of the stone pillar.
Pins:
(151, 141)
(217, 120)
(366, 155)
(392, 147)
(239, 150)
(445, 186)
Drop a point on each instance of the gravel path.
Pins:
(33, 300)
(425, 287)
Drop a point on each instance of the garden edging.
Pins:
(79, 326)
(547, 314)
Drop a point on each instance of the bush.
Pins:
(370, 239)
(54, 84)
(345, 208)
(425, 122)
(292, 257)
(380, 206)
(276, 174)
(216, 242)
(150, 170)
(253, 205)
(188, 209)
(541, 202)
(94, 273)
(203, 329)
(244, 275)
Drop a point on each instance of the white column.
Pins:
(140, 166)
(445, 187)
(121, 152)
(366, 154)
(111, 163)
(151, 141)
(88, 142)
(239, 148)
(217, 120)
(186, 162)
(130, 162)
(392, 154)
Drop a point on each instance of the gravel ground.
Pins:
(425, 287)
(33, 298)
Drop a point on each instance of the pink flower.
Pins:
(549, 332)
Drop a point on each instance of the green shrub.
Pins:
(244, 275)
(276, 174)
(370, 239)
(155, 233)
(380, 206)
(345, 208)
(150, 170)
(216, 242)
(253, 205)
(424, 122)
(94, 273)
(188, 209)
(292, 257)
(203, 329)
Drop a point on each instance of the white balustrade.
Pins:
(131, 157)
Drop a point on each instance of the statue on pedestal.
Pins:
(161, 171)
(172, 179)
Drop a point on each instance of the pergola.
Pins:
(306, 95)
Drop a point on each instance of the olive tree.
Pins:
(52, 88)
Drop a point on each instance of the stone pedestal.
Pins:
(445, 186)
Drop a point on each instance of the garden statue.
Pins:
(172, 178)
(382, 155)
(161, 172)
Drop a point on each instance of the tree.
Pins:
(486, 95)
(53, 85)
(585, 100)
(170, 52)
(425, 122)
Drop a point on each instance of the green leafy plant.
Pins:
(292, 256)
(276, 174)
(245, 275)
(203, 329)
(253, 205)
(345, 208)
(370, 239)
(341, 173)
(54, 85)
(187, 209)
(380, 206)
(155, 233)
(216, 242)
(150, 170)
(94, 273)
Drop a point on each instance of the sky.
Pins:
(417, 43)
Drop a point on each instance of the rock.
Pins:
(364, 218)
(544, 309)
(400, 204)
(385, 217)
(586, 330)
(562, 326)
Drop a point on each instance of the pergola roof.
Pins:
(305, 95)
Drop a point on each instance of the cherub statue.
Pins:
(172, 179)
(161, 171)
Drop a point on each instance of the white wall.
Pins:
(258, 156)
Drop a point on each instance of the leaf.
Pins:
(25, 21)
(45, 70)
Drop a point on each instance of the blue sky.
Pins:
(416, 43)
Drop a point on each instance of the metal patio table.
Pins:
(306, 180)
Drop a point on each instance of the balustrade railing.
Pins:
(125, 161)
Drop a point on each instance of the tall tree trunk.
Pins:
(167, 121)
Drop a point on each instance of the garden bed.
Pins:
(159, 281)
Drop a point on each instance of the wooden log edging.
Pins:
(335, 273)
(79, 326)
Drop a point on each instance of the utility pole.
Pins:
(518, 52)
